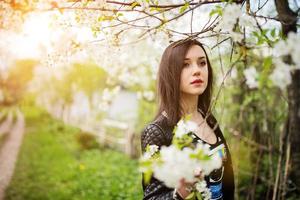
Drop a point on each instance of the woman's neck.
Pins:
(189, 105)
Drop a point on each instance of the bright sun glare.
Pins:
(39, 34)
(36, 34)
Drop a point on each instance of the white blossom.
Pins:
(184, 127)
(202, 188)
(281, 48)
(293, 44)
(149, 95)
(150, 151)
(281, 76)
(230, 15)
(237, 37)
(177, 165)
(143, 4)
(101, 1)
(290, 46)
(246, 20)
(251, 77)
(108, 95)
(146, 156)
(153, 149)
(206, 195)
(207, 166)
(233, 73)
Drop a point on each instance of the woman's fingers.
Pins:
(185, 183)
(198, 173)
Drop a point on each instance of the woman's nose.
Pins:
(196, 69)
(197, 73)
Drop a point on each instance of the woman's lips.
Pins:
(197, 81)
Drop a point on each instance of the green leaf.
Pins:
(155, 9)
(184, 7)
(134, 4)
(256, 34)
(188, 117)
(77, 18)
(281, 34)
(199, 196)
(273, 32)
(191, 196)
(147, 177)
(217, 10)
(120, 14)
(212, 12)
(267, 63)
(106, 18)
(182, 142)
(260, 41)
(264, 31)
(175, 129)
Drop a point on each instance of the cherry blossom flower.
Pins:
(184, 127)
(251, 77)
(281, 76)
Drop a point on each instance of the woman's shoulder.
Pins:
(156, 132)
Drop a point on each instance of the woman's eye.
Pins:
(186, 64)
(202, 63)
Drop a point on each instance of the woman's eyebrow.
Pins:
(197, 58)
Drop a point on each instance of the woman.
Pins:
(185, 79)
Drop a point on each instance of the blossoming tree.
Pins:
(254, 43)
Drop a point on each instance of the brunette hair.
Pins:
(168, 84)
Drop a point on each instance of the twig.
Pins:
(256, 174)
(286, 169)
(164, 6)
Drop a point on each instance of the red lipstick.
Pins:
(197, 81)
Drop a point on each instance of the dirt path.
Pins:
(7, 124)
(9, 153)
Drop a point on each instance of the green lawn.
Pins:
(52, 166)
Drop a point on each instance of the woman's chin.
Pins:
(194, 92)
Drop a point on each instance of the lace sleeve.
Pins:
(154, 135)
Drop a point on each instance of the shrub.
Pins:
(87, 141)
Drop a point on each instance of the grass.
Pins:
(52, 166)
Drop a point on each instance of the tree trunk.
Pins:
(294, 130)
(286, 16)
(288, 21)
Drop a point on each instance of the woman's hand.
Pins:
(198, 174)
(184, 187)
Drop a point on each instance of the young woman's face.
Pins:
(194, 75)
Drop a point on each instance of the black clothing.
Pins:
(214, 180)
(160, 134)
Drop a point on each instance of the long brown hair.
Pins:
(168, 84)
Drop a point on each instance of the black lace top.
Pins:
(159, 133)
(214, 179)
